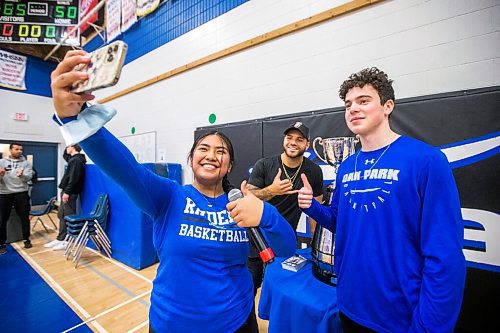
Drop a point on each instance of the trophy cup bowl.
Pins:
(336, 150)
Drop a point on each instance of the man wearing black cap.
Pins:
(277, 180)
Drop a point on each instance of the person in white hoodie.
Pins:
(15, 173)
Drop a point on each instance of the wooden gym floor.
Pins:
(107, 295)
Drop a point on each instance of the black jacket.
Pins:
(74, 176)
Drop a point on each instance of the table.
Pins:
(297, 301)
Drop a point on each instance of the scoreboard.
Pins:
(39, 22)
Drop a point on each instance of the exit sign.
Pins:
(20, 116)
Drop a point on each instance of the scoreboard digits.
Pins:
(32, 33)
(38, 21)
(40, 12)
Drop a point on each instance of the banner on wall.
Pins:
(12, 70)
(144, 7)
(113, 16)
(85, 7)
(129, 16)
(142, 146)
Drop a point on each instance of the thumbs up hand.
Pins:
(247, 211)
(305, 195)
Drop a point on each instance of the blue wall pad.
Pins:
(172, 19)
(28, 304)
(129, 229)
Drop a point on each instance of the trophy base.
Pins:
(324, 274)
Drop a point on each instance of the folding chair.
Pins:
(45, 211)
(92, 225)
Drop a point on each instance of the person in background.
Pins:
(397, 218)
(276, 180)
(15, 173)
(71, 186)
(202, 282)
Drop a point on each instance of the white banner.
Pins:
(113, 15)
(129, 16)
(12, 70)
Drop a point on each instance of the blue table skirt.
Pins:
(297, 301)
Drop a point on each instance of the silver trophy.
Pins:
(336, 150)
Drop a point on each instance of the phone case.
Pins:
(103, 69)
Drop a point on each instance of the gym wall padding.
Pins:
(129, 229)
(462, 123)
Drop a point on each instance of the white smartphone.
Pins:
(104, 68)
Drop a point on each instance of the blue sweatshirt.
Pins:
(399, 234)
(202, 282)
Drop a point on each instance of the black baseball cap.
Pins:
(303, 129)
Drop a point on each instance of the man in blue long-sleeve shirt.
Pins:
(396, 214)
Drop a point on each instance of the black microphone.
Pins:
(255, 235)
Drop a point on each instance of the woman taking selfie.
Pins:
(202, 282)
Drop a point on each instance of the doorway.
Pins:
(44, 158)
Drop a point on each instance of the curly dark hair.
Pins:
(372, 76)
